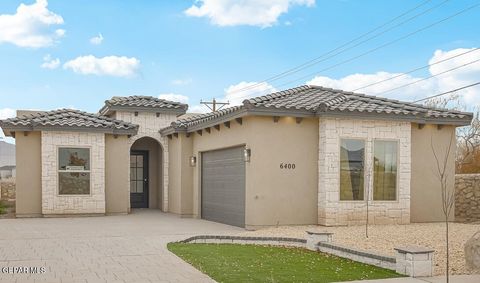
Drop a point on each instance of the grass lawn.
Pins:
(253, 263)
(3, 207)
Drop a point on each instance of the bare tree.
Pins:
(468, 140)
(448, 194)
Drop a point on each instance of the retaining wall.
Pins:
(467, 197)
(7, 190)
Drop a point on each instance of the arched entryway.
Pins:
(146, 173)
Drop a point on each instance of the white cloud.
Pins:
(174, 97)
(448, 81)
(199, 108)
(110, 65)
(182, 81)
(354, 81)
(97, 40)
(262, 13)
(50, 63)
(6, 113)
(460, 77)
(237, 93)
(31, 26)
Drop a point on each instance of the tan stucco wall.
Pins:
(425, 186)
(29, 174)
(181, 176)
(175, 173)
(117, 170)
(273, 195)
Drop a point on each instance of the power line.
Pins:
(214, 104)
(387, 44)
(432, 76)
(314, 61)
(384, 45)
(447, 92)
(416, 69)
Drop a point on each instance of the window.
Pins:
(352, 153)
(73, 171)
(385, 170)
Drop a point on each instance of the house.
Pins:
(7, 154)
(306, 155)
(7, 171)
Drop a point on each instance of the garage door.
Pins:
(223, 186)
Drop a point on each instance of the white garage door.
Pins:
(223, 186)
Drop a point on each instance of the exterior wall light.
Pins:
(193, 161)
(246, 154)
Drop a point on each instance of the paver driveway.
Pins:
(127, 248)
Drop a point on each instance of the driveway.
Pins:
(127, 248)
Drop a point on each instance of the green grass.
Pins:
(3, 207)
(253, 263)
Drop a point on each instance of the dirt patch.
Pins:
(384, 238)
(7, 209)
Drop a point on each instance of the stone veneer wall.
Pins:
(52, 202)
(467, 197)
(7, 189)
(332, 211)
(149, 126)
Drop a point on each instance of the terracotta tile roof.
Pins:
(320, 99)
(142, 103)
(310, 100)
(200, 118)
(68, 119)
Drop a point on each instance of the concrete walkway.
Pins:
(127, 248)
(436, 279)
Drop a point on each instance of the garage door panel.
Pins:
(223, 186)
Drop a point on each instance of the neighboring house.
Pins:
(7, 154)
(7, 172)
(307, 155)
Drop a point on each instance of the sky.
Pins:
(77, 54)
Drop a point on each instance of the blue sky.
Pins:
(199, 50)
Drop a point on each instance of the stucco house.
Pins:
(306, 155)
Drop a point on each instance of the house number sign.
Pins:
(288, 166)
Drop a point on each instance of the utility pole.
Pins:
(214, 104)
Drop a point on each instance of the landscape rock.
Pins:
(472, 252)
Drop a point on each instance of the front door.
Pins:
(138, 179)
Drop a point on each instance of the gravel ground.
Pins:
(384, 238)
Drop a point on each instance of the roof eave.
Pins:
(258, 111)
(171, 130)
(9, 129)
(398, 117)
(109, 109)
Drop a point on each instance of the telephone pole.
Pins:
(214, 104)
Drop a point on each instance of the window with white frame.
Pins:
(352, 156)
(73, 171)
(385, 170)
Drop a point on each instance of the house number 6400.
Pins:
(287, 165)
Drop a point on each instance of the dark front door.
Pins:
(138, 179)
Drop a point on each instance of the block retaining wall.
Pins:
(356, 255)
